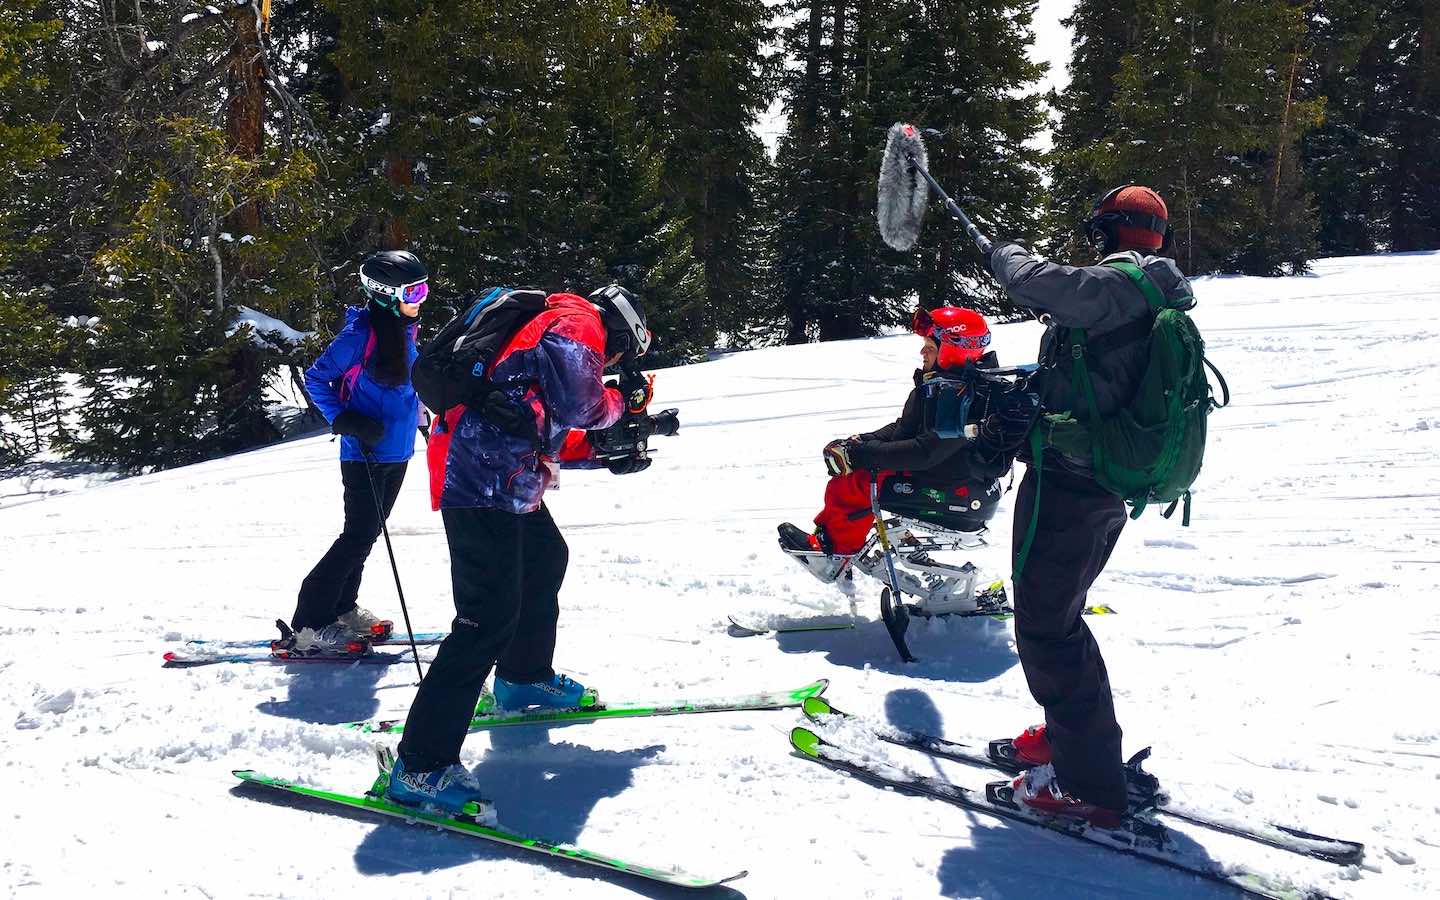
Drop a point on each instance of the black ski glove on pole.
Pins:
(361, 427)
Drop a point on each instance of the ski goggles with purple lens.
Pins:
(953, 335)
(408, 293)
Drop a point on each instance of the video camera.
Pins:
(947, 398)
(625, 446)
(630, 437)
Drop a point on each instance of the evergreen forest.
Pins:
(187, 188)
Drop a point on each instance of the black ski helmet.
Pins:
(392, 277)
(625, 330)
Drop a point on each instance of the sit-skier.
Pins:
(954, 345)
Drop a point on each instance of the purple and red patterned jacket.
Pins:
(553, 366)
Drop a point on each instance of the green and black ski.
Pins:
(374, 801)
(487, 716)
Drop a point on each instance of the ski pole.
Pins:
(385, 530)
(899, 619)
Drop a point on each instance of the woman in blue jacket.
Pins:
(361, 384)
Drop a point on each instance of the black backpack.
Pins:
(452, 366)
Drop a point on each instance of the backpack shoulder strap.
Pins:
(351, 375)
(1153, 295)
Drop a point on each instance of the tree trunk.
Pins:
(401, 172)
(245, 113)
(797, 308)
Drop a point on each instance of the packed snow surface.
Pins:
(1282, 654)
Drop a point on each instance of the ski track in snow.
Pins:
(1280, 654)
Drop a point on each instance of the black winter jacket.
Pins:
(904, 445)
(1101, 299)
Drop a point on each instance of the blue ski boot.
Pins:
(559, 692)
(452, 791)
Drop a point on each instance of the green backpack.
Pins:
(1151, 449)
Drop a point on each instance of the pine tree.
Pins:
(612, 219)
(1347, 158)
(701, 92)
(1102, 34)
(1205, 112)
(30, 339)
(952, 67)
(956, 68)
(1414, 193)
(163, 156)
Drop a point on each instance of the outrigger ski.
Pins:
(487, 717)
(739, 629)
(1281, 837)
(374, 801)
(1002, 614)
(897, 616)
(1137, 836)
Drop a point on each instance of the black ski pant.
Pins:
(506, 571)
(1079, 523)
(329, 591)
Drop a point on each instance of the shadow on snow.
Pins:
(328, 695)
(947, 649)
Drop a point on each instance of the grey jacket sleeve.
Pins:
(1091, 297)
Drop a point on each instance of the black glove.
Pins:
(666, 423)
(361, 427)
(636, 390)
(627, 465)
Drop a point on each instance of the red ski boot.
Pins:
(1038, 789)
(1032, 748)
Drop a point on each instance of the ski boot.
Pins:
(557, 692)
(1032, 748)
(332, 640)
(363, 623)
(814, 552)
(1039, 790)
(451, 791)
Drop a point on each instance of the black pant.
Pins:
(1079, 524)
(329, 591)
(506, 571)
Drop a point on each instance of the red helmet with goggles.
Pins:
(962, 334)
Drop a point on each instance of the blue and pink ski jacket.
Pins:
(553, 367)
(342, 379)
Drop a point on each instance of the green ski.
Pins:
(373, 801)
(486, 716)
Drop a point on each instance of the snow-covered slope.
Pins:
(1282, 654)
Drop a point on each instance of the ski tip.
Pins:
(805, 741)
(736, 877)
(817, 706)
(738, 630)
(243, 774)
(813, 689)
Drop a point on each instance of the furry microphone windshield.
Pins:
(903, 192)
